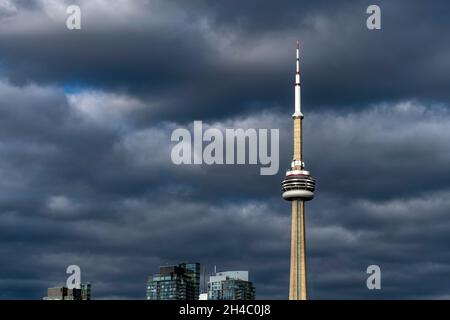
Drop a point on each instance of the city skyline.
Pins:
(86, 117)
(182, 281)
(65, 293)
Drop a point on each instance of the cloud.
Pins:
(7, 8)
(103, 107)
(216, 61)
(128, 209)
(388, 151)
(61, 205)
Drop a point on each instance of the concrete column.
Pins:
(297, 284)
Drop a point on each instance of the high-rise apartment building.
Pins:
(178, 282)
(230, 285)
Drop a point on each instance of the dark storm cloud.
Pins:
(128, 209)
(86, 176)
(213, 60)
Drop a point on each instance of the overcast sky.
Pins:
(86, 117)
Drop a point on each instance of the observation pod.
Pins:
(298, 185)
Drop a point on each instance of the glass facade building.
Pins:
(85, 291)
(230, 285)
(180, 282)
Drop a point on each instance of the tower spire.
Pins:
(298, 106)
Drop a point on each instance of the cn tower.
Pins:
(298, 187)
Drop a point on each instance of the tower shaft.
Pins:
(297, 284)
